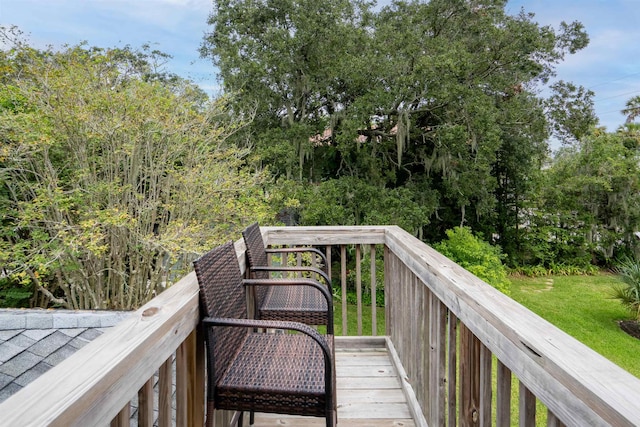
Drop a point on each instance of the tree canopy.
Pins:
(437, 100)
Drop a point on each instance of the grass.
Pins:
(352, 319)
(583, 307)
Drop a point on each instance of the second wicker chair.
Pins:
(304, 304)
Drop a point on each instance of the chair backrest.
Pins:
(221, 295)
(256, 254)
(256, 257)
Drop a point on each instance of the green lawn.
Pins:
(352, 319)
(583, 307)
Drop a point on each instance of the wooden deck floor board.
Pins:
(369, 393)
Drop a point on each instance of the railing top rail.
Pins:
(337, 235)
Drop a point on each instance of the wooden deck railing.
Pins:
(460, 341)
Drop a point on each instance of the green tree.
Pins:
(591, 199)
(288, 61)
(430, 97)
(632, 109)
(571, 112)
(115, 175)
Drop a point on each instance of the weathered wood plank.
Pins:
(392, 395)
(270, 420)
(437, 357)
(182, 361)
(553, 421)
(145, 405)
(330, 235)
(527, 407)
(365, 371)
(503, 396)
(165, 391)
(345, 343)
(123, 417)
(367, 383)
(374, 311)
(452, 351)
(359, 288)
(343, 287)
(373, 411)
(366, 359)
(469, 378)
(485, 387)
(412, 401)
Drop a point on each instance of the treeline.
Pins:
(115, 174)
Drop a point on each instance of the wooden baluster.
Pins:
(359, 287)
(503, 398)
(145, 404)
(374, 309)
(343, 282)
(182, 356)
(165, 385)
(437, 331)
(123, 417)
(452, 371)
(527, 404)
(485, 386)
(469, 378)
(553, 421)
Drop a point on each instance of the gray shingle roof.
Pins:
(33, 341)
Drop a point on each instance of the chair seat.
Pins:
(295, 304)
(267, 373)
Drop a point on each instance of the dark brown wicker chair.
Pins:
(262, 372)
(296, 304)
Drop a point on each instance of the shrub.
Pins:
(629, 293)
(475, 255)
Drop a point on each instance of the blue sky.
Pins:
(610, 65)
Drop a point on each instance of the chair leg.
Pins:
(252, 418)
(210, 416)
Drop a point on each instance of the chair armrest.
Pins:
(299, 282)
(276, 268)
(297, 250)
(275, 324)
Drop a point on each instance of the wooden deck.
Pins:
(370, 392)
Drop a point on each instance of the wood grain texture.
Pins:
(145, 405)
